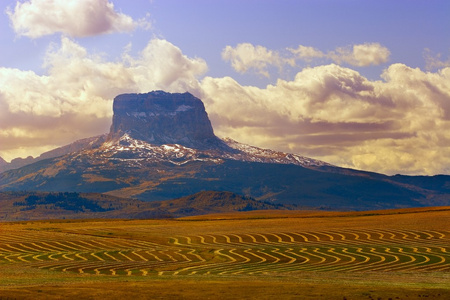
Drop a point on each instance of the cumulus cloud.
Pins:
(247, 57)
(161, 65)
(396, 124)
(335, 114)
(76, 18)
(361, 55)
(73, 99)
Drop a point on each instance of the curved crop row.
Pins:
(237, 253)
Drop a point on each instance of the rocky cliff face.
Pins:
(163, 118)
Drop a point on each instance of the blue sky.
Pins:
(204, 28)
(361, 84)
(405, 27)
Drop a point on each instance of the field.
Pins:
(395, 254)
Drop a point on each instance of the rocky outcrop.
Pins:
(163, 118)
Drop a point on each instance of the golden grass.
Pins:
(252, 255)
(244, 288)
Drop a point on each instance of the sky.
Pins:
(359, 84)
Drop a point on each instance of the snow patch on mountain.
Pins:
(128, 148)
(183, 108)
(255, 154)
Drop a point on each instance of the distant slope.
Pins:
(291, 184)
(19, 206)
(278, 183)
(211, 201)
(87, 143)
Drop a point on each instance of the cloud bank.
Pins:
(246, 57)
(76, 18)
(331, 112)
(398, 124)
(74, 99)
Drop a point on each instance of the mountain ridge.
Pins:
(135, 160)
(78, 145)
(24, 206)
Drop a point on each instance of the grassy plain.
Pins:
(394, 254)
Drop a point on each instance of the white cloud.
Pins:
(161, 65)
(76, 18)
(330, 112)
(74, 99)
(361, 55)
(245, 57)
(335, 114)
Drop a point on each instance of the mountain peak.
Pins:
(162, 146)
(163, 118)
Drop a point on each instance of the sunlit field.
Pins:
(402, 254)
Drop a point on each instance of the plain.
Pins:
(396, 254)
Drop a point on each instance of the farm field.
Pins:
(396, 254)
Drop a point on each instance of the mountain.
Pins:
(3, 164)
(162, 146)
(160, 118)
(22, 206)
(87, 143)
